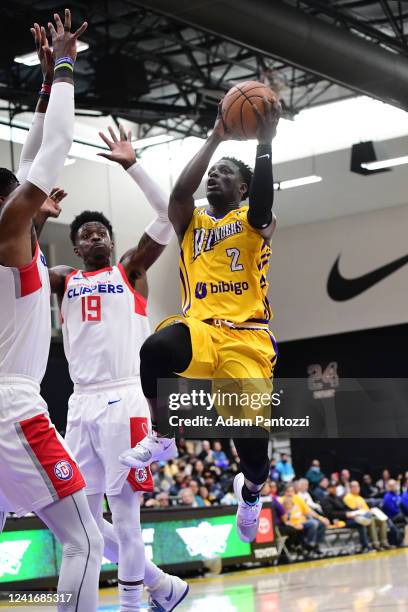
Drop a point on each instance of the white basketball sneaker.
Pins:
(247, 514)
(150, 449)
(168, 594)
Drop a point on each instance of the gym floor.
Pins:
(375, 581)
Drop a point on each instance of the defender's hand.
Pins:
(51, 206)
(63, 42)
(44, 52)
(267, 121)
(121, 151)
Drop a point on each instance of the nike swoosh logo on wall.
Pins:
(341, 289)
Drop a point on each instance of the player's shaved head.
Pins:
(88, 216)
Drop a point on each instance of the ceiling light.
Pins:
(385, 163)
(364, 153)
(31, 59)
(297, 182)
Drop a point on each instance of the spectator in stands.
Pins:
(285, 469)
(382, 482)
(198, 472)
(368, 489)
(205, 496)
(343, 487)
(220, 458)
(274, 488)
(377, 527)
(288, 527)
(392, 508)
(215, 492)
(314, 474)
(160, 501)
(302, 489)
(336, 510)
(178, 483)
(206, 454)
(195, 488)
(314, 525)
(321, 490)
(273, 471)
(186, 498)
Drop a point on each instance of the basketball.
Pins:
(237, 112)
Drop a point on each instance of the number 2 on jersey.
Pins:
(91, 308)
(234, 254)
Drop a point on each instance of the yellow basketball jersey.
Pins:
(223, 268)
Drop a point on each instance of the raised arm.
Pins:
(20, 207)
(159, 232)
(261, 191)
(181, 206)
(35, 135)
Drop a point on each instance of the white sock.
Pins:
(130, 597)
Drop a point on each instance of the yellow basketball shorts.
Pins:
(242, 360)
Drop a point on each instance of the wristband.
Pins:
(45, 90)
(65, 60)
(264, 149)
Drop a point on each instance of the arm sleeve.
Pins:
(160, 229)
(31, 146)
(261, 191)
(57, 138)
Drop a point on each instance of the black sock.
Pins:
(249, 496)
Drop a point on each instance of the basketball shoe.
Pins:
(168, 594)
(247, 514)
(150, 449)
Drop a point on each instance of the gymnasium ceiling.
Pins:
(164, 75)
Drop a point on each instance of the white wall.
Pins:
(316, 224)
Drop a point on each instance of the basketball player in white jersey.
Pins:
(37, 471)
(103, 309)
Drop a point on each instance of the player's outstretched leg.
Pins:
(71, 521)
(254, 460)
(3, 517)
(162, 354)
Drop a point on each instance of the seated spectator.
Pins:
(273, 471)
(205, 496)
(314, 474)
(186, 498)
(215, 492)
(274, 489)
(382, 482)
(288, 526)
(392, 508)
(194, 486)
(206, 454)
(198, 472)
(160, 501)
(266, 492)
(336, 510)
(321, 490)
(302, 489)
(355, 502)
(368, 489)
(285, 469)
(314, 525)
(177, 484)
(220, 458)
(343, 486)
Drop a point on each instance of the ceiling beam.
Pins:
(281, 31)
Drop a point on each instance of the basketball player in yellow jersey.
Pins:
(225, 250)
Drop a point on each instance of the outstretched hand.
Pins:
(268, 120)
(63, 42)
(121, 151)
(44, 52)
(51, 206)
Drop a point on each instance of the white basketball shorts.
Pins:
(36, 467)
(104, 420)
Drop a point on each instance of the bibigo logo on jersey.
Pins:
(63, 470)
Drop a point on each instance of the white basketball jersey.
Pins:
(104, 324)
(25, 319)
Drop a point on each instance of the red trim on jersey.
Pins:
(139, 479)
(140, 300)
(30, 280)
(55, 460)
(94, 272)
(68, 278)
